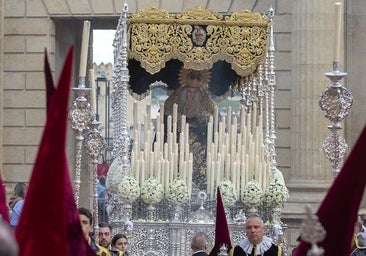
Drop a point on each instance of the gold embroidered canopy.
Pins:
(198, 38)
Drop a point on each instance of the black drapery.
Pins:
(222, 76)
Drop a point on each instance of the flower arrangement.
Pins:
(177, 192)
(276, 194)
(228, 192)
(152, 191)
(252, 194)
(129, 189)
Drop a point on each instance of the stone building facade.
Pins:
(303, 40)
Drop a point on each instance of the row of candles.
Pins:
(233, 154)
(236, 154)
(165, 160)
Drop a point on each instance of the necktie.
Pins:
(253, 251)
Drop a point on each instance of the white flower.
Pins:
(252, 194)
(152, 191)
(129, 189)
(228, 192)
(177, 192)
(276, 194)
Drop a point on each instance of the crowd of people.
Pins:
(108, 245)
(255, 242)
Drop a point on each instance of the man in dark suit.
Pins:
(256, 243)
(199, 244)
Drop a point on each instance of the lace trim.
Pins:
(261, 248)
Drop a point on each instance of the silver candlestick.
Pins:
(95, 145)
(80, 117)
(336, 101)
(312, 232)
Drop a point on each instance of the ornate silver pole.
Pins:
(336, 101)
(271, 88)
(80, 116)
(121, 140)
(95, 145)
(121, 78)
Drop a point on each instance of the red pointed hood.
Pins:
(338, 211)
(222, 234)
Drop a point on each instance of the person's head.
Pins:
(86, 221)
(199, 242)
(102, 180)
(119, 241)
(105, 234)
(254, 228)
(20, 189)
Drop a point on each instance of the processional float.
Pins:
(155, 180)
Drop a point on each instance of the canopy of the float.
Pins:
(160, 44)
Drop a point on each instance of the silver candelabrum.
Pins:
(336, 101)
(95, 145)
(80, 117)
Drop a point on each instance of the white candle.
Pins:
(213, 178)
(148, 116)
(180, 169)
(137, 171)
(254, 116)
(158, 172)
(190, 173)
(162, 111)
(228, 121)
(216, 119)
(158, 123)
(234, 178)
(337, 35)
(209, 174)
(181, 142)
(227, 166)
(151, 167)
(183, 172)
(175, 113)
(209, 133)
(137, 137)
(218, 172)
(166, 175)
(135, 120)
(84, 48)
(242, 171)
(142, 178)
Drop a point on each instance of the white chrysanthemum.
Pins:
(177, 192)
(114, 176)
(129, 189)
(276, 194)
(252, 194)
(228, 192)
(152, 191)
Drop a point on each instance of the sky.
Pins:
(102, 46)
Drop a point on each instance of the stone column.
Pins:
(312, 48)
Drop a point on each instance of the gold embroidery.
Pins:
(198, 38)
